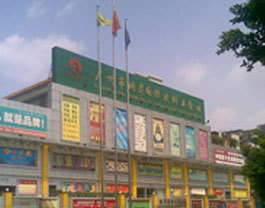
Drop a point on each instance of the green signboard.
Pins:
(79, 72)
(22, 122)
(141, 204)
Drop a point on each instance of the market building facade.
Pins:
(50, 139)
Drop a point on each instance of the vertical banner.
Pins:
(158, 135)
(70, 119)
(175, 139)
(190, 144)
(203, 141)
(121, 129)
(140, 133)
(95, 123)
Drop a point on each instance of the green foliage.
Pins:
(248, 44)
(217, 140)
(233, 143)
(254, 166)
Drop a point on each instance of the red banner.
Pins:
(121, 188)
(228, 158)
(203, 141)
(93, 203)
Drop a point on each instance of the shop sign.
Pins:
(8, 181)
(122, 166)
(175, 172)
(158, 135)
(78, 186)
(222, 156)
(79, 72)
(176, 192)
(216, 204)
(150, 169)
(22, 122)
(27, 187)
(94, 118)
(196, 203)
(121, 129)
(140, 204)
(93, 203)
(16, 156)
(121, 188)
(238, 178)
(232, 204)
(197, 174)
(198, 191)
(190, 143)
(203, 141)
(220, 177)
(175, 139)
(240, 194)
(140, 143)
(166, 202)
(70, 119)
(75, 162)
(218, 192)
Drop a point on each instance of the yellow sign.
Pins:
(240, 193)
(70, 119)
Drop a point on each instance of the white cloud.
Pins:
(35, 10)
(223, 118)
(28, 61)
(192, 73)
(68, 7)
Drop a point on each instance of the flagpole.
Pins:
(128, 120)
(100, 112)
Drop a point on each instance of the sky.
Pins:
(175, 40)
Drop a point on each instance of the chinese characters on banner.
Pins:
(190, 144)
(121, 188)
(175, 139)
(70, 119)
(121, 129)
(95, 123)
(93, 203)
(228, 158)
(158, 135)
(203, 141)
(17, 121)
(140, 133)
(150, 169)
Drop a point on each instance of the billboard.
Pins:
(70, 119)
(175, 139)
(122, 188)
(122, 166)
(220, 177)
(238, 178)
(222, 156)
(190, 143)
(140, 143)
(150, 169)
(27, 187)
(95, 123)
(158, 135)
(197, 174)
(78, 187)
(175, 172)
(203, 141)
(121, 128)
(17, 121)
(16, 156)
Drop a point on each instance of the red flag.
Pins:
(116, 24)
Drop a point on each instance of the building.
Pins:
(50, 135)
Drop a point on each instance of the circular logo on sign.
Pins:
(75, 65)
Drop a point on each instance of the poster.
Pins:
(222, 156)
(121, 129)
(190, 143)
(78, 187)
(140, 133)
(220, 177)
(95, 123)
(203, 141)
(27, 187)
(70, 119)
(93, 203)
(122, 166)
(238, 178)
(175, 172)
(175, 139)
(121, 188)
(196, 203)
(16, 156)
(150, 169)
(16, 121)
(232, 204)
(197, 174)
(158, 135)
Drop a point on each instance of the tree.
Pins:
(248, 43)
(254, 166)
(217, 140)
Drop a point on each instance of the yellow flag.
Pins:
(103, 21)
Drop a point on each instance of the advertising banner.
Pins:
(27, 187)
(232, 204)
(122, 166)
(16, 156)
(190, 143)
(241, 193)
(93, 203)
(197, 174)
(70, 119)
(196, 203)
(203, 141)
(158, 135)
(75, 162)
(95, 123)
(78, 187)
(220, 177)
(175, 172)
(222, 156)
(150, 169)
(22, 122)
(121, 188)
(140, 133)
(121, 129)
(175, 139)
(238, 178)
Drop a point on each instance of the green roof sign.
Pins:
(79, 72)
